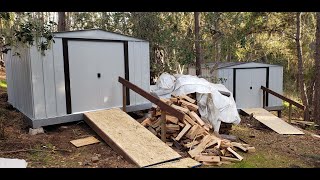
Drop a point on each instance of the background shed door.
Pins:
(248, 87)
(94, 70)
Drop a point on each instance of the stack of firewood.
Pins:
(194, 135)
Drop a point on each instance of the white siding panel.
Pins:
(38, 84)
(49, 84)
(18, 80)
(251, 65)
(145, 72)
(131, 61)
(275, 84)
(59, 77)
(228, 75)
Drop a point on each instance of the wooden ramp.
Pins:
(272, 121)
(129, 138)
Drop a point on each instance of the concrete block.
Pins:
(36, 131)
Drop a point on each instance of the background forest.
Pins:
(180, 39)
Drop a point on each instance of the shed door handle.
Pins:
(250, 87)
(99, 75)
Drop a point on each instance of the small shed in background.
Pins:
(244, 80)
(78, 73)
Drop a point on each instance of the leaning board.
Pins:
(129, 138)
(179, 163)
(272, 121)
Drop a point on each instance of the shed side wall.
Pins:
(139, 69)
(227, 76)
(19, 80)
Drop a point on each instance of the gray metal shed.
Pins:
(79, 73)
(244, 80)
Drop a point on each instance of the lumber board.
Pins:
(180, 108)
(195, 117)
(189, 120)
(192, 143)
(272, 121)
(172, 119)
(180, 163)
(223, 158)
(207, 158)
(197, 150)
(129, 138)
(188, 99)
(84, 141)
(183, 132)
(190, 106)
(146, 122)
(235, 153)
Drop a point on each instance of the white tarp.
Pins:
(213, 106)
(12, 163)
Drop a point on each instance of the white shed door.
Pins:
(94, 69)
(248, 87)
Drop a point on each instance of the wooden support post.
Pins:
(124, 98)
(290, 111)
(279, 113)
(163, 126)
(264, 99)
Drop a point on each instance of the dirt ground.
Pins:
(53, 148)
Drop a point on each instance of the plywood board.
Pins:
(129, 138)
(272, 121)
(180, 163)
(84, 141)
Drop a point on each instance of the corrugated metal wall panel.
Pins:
(275, 84)
(139, 69)
(59, 77)
(18, 80)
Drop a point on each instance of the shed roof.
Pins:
(95, 34)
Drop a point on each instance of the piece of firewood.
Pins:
(251, 149)
(188, 98)
(182, 124)
(212, 163)
(152, 130)
(195, 117)
(191, 144)
(174, 127)
(146, 122)
(197, 150)
(189, 120)
(174, 100)
(223, 158)
(239, 146)
(156, 123)
(183, 132)
(212, 142)
(180, 108)
(234, 153)
(203, 158)
(190, 106)
(169, 143)
(172, 119)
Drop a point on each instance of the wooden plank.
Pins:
(129, 138)
(174, 127)
(152, 130)
(272, 121)
(203, 158)
(189, 120)
(190, 106)
(223, 158)
(193, 143)
(235, 153)
(163, 126)
(197, 150)
(183, 132)
(84, 141)
(153, 99)
(188, 98)
(239, 146)
(174, 100)
(180, 163)
(180, 108)
(195, 117)
(146, 122)
(172, 119)
(298, 105)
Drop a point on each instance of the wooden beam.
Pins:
(153, 99)
(195, 117)
(183, 132)
(235, 153)
(163, 126)
(124, 99)
(298, 105)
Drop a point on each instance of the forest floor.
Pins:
(272, 149)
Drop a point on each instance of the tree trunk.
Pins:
(300, 68)
(62, 21)
(197, 42)
(316, 103)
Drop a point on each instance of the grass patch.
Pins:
(3, 84)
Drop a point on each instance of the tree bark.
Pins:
(300, 67)
(197, 42)
(316, 103)
(61, 21)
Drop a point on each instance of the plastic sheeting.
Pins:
(213, 106)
